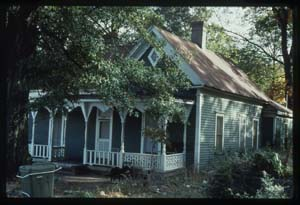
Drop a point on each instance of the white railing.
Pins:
(174, 161)
(40, 150)
(102, 158)
(145, 161)
(58, 152)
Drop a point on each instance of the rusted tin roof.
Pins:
(214, 70)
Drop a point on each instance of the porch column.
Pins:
(184, 138)
(50, 134)
(33, 114)
(86, 110)
(123, 115)
(164, 122)
(85, 140)
(142, 133)
(199, 104)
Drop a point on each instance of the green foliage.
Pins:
(84, 48)
(268, 190)
(178, 19)
(156, 134)
(248, 173)
(269, 162)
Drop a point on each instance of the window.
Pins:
(104, 129)
(153, 57)
(219, 138)
(255, 134)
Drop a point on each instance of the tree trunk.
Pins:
(18, 45)
(17, 142)
(282, 15)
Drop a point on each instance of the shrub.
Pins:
(242, 173)
(269, 190)
(268, 161)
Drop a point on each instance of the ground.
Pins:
(96, 185)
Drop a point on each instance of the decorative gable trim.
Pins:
(153, 57)
(170, 52)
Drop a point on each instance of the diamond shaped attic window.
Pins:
(153, 57)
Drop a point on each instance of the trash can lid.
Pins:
(36, 167)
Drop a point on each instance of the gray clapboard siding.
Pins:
(56, 129)
(30, 121)
(91, 129)
(280, 122)
(231, 110)
(75, 136)
(41, 127)
(116, 133)
(190, 138)
(132, 139)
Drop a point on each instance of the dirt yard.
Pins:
(100, 186)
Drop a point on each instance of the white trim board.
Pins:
(223, 134)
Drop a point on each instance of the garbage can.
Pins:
(37, 180)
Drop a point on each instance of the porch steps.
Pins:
(99, 169)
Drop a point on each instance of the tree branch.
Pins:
(60, 41)
(256, 45)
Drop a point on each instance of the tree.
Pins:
(271, 36)
(178, 19)
(73, 48)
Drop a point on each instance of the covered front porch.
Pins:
(95, 134)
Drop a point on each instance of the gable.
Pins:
(141, 51)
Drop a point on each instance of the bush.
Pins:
(268, 161)
(243, 173)
(269, 190)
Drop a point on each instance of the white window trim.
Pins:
(223, 134)
(153, 63)
(257, 133)
(242, 117)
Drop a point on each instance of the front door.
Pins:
(103, 132)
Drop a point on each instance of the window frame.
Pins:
(242, 117)
(223, 135)
(257, 133)
(153, 63)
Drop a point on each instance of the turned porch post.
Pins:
(142, 133)
(123, 115)
(184, 137)
(33, 114)
(85, 140)
(164, 122)
(50, 134)
(86, 110)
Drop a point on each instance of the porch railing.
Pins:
(40, 151)
(102, 158)
(58, 152)
(174, 161)
(145, 161)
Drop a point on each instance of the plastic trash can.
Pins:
(37, 180)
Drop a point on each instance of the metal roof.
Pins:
(216, 72)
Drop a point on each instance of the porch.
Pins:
(105, 136)
(157, 162)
